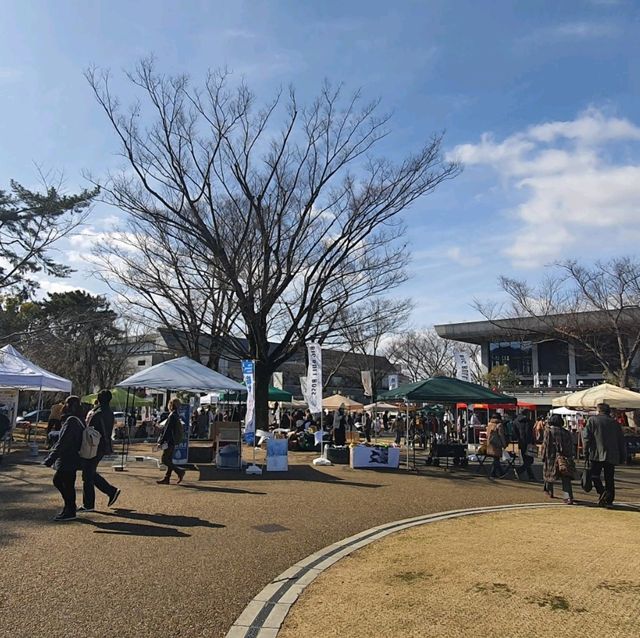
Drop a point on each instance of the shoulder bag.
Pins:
(585, 479)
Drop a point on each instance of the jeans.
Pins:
(167, 459)
(91, 479)
(567, 489)
(66, 484)
(608, 492)
(527, 462)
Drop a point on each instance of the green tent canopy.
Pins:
(445, 390)
(275, 394)
(119, 399)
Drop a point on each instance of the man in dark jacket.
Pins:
(171, 436)
(604, 444)
(102, 420)
(523, 432)
(65, 457)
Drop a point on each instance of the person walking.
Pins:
(64, 456)
(558, 458)
(496, 442)
(368, 424)
(102, 421)
(523, 433)
(605, 448)
(171, 436)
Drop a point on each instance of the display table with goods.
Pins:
(374, 456)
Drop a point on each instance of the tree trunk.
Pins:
(262, 378)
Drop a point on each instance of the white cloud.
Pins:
(574, 31)
(575, 181)
(49, 286)
(462, 257)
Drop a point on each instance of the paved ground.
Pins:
(185, 560)
(536, 573)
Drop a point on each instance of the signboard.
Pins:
(463, 369)
(393, 381)
(277, 455)
(374, 456)
(248, 375)
(181, 451)
(278, 380)
(314, 378)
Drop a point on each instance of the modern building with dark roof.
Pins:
(530, 349)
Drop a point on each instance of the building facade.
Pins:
(340, 370)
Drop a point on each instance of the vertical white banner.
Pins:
(367, 383)
(248, 375)
(549, 381)
(278, 380)
(393, 381)
(314, 378)
(304, 388)
(536, 380)
(463, 369)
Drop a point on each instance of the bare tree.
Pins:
(159, 282)
(286, 204)
(422, 354)
(362, 331)
(596, 309)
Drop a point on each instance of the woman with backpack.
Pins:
(558, 458)
(65, 456)
(170, 437)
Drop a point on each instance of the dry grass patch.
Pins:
(553, 573)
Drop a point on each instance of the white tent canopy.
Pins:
(605, 393)
(16, 371)
(380, 405)
(564, 411)
(181, 374)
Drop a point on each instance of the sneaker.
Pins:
(568, 501)
(113, 498)
(63, 518)
(163, 482)
(86, 509)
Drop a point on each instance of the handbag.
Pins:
(585, 480)
(532, 450)
(564, 466)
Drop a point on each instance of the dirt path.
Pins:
(186, 560)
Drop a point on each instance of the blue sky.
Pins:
(538, 100)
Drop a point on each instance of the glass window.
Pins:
(553, 356)
(515, 354)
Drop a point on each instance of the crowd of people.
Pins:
(550, 439)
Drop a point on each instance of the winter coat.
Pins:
(102, 420)
(556, 440)
(169, 433)
(523, 431)
(604, 440)
(64, 455)
(496, 440)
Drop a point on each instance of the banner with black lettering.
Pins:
(314, 378)
(248, 376)
(463, 369)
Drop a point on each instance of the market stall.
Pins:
(186, 375)
(17, 373)
(445, 390)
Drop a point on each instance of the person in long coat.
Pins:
(496, 442)
(65, 457)
(556, 441)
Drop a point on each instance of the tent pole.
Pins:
(407, 434)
